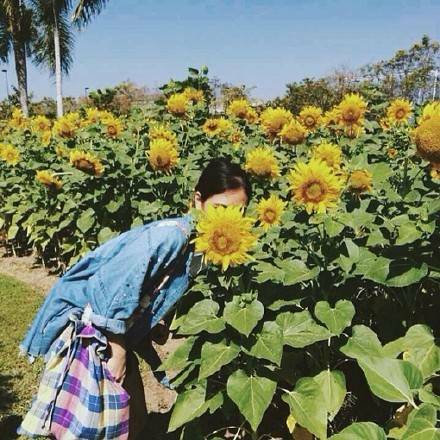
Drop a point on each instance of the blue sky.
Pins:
(262, 43)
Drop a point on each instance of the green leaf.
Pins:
(332, 228)
(268, 272)
(243, 315)
(12, 232)
(178, 359)
(411, 276)
(391, 379)
(114, 205)
(269, 343)
(306, 407)
(372, 267)
(215, 356)
(361, 431)
(426, 395)
(300, 329)
(421, 424)
(335, 319)
(105, 234)
(296, 271)
(407, 233)
(251, 394)
(333, 388)
(189, 405)
(202, 317)
(86, 220)
(363, 343)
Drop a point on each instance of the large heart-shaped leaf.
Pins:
(189, 405)
(361, 431)
(269, 344)
(333, 389)
(392, 380)
(363, 342)
(300, 329)
(214, 356)
(178, 359)
(306, 407)
(296, 271)
(335, 319)
(202, 316)
(251, 394)
(243, 315)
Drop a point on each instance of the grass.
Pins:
(18, 378)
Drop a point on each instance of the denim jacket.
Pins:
(110, 279)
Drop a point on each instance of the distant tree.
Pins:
(16, 33)
(309, 91)
(409, 73)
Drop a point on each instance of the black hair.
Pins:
(221, 175)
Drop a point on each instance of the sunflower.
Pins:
(329, 153)
(430, 110)
(331, 117)
(311, 117)
(351, 110)
(93, 116)
(399, 111)
(315, 185)
(61, 151)
(360, 181)
(113, 126)
(46, 137)
(391, 153)
(40, 124)
(235, 138)
(262, 163)
(217, 126)
(67, 125)
(9, 154)
(177, 104)
(427, 138)
(224, 235)
(385, 123)
(251, 116)
(194, 95)
(48, 179)
(160, 131)
(274, 119)
(238, 108)
(87, 162)
(18, 120)
(435, 171)
(293, 133)
(270, 210)
(163, 155)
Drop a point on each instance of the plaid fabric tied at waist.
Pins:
(78, 398)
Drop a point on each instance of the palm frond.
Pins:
(85, 10)
(49, 14)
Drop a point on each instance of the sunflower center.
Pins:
(111, 129)
(85, 165)
(351, 114)
(222, 243)
(400, 114)
(269, 215)
(314, 191)
(310, 121)
(162, 161)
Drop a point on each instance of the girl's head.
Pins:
(222, 183)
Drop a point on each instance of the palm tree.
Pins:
(85, 10)
(16, 34)
(54, 42)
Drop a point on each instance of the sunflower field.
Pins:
(318, 311)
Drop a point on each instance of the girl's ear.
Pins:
(198, 200)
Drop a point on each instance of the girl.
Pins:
(109, 304)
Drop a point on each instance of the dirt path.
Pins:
(159, 399)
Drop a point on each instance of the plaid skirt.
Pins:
(78, 398)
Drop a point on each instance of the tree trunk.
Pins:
(58, 72)
(21, 70)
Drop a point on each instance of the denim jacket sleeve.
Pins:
(109, 279)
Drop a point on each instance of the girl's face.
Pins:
(235, 197)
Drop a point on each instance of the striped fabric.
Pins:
(78, 397)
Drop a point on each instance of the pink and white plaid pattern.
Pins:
(78, 397)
